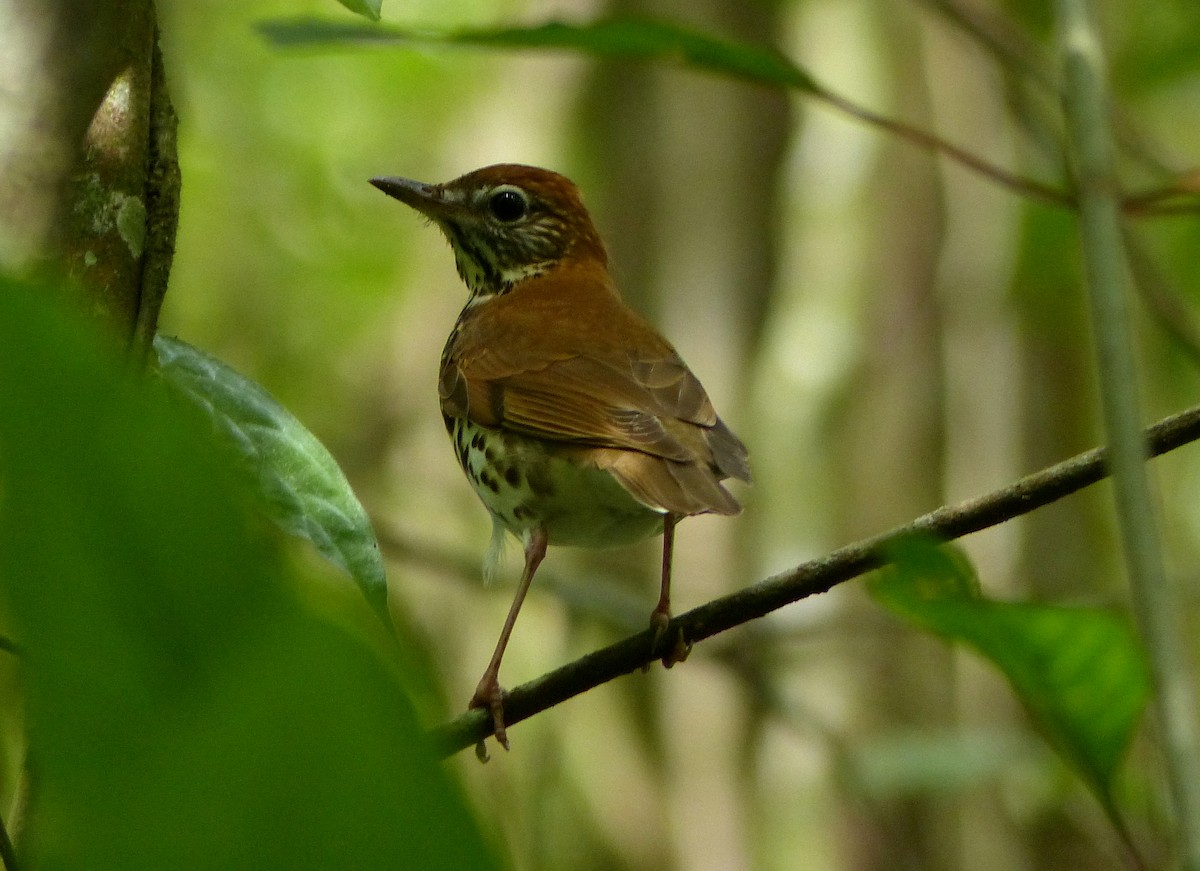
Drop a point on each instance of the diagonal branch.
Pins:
(816, 576)
(935, 144)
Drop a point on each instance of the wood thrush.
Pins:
(575, 421)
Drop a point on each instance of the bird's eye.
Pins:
(508, 205)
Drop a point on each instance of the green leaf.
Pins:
(619, 38)
(1079, 671)
(300, 484)
(366, 8)
(184, 709)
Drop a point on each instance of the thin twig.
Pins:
(817, 576)
(1018, 55)
(1161, 203)
(931, 142)
(1172, 210)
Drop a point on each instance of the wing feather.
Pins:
(564, 361)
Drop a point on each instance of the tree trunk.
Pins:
(88, 175)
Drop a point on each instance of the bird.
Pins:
(574, 420)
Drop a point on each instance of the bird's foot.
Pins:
(490, 696)
(681, 648)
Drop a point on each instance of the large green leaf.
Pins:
(184, 710)
(624, 38)
(1079, 671)
(301, 485)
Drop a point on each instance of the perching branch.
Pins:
(816, 576)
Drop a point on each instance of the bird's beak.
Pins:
(428, 199)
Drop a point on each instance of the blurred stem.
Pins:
(1090, 146)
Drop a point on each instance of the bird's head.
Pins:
(505, 222)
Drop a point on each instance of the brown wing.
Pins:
(562, 359)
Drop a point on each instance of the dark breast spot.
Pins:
(539, 482)
(513, 476)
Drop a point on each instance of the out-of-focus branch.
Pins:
(118, 238)
(816, 576)
(56, 60)
(931, 142)
(604, 601)
(88, 178)
(1022, 58)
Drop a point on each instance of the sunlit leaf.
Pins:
(300, 483)
(1079, 671)
(624, 38)
(184, 710)
(367, 8)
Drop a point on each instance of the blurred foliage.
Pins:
(185, 708)
(617, 38)
(1079, 671)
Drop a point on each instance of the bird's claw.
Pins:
(490, 696)
(680, 650)
(660, 622)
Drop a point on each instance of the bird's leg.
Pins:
(660, 617)
(489, 694)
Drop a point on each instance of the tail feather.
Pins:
(666, 485)
(729, 454)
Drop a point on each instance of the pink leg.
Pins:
(488, 693)
(660, 617)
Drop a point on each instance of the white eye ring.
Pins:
(508, 204)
